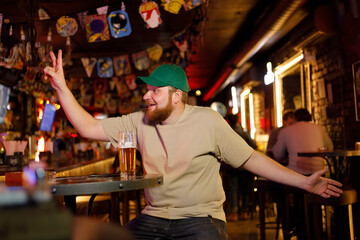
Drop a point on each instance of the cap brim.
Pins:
(151, 81)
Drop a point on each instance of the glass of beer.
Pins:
(127, 154)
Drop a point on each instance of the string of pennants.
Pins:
(100, 27)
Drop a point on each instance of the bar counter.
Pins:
(71, 167)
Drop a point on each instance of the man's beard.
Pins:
(160, 115)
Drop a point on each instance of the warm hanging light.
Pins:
(269, 76)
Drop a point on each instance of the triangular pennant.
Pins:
(102, 10)
(89, 64)
(141, 60)
(149, 11)
(119, 24)
(190, 4)
(43, 15)
(122, 65)
(97, 28)
(81, 17)
(172, 6)
(105, 67)
(154, 53)
(130, 81)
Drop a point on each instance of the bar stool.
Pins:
(264, 186)
(347, 198)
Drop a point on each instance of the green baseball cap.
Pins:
(166, 75)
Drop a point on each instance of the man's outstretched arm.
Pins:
(264, 166)
(84, 123)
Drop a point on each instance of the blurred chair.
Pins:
(342, 203)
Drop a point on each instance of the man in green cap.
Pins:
(185, 144)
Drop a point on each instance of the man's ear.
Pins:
(177, 96)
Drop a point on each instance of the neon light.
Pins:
(278, 84)
(242, 107)
(235, 108)
(252, 118)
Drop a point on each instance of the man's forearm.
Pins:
(84, 123)
(264, 166)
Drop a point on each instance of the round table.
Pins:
(70, 187)
(105, 183)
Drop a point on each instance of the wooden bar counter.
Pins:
(71, 167)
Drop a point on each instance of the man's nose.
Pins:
(146, 95)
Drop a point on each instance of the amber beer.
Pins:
(127, 159)
(127, 154)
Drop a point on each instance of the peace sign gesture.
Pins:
(56, 72)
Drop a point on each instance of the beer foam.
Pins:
(129, 145)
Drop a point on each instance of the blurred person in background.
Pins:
(288, 119)
(302, 136)
(236, 179)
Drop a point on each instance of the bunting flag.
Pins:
(154, 53)
(66, 26)
(102, 10)
(99, 93)
(122, 65)
(43, 15)
(105, 68)
(172, 6)
(150, 13)
(81, 17)
(130, 81)
(182, 44)
(97, 28)
(89, 64)
(190, 4)
(140, 60)
(119, 24)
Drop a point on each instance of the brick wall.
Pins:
(333, 67)
(327, 71)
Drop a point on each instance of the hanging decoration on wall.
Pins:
(130, 81)
(102, 10)
(150, 13)
(122, 65)
(182, 44)
(140, 60)
(89, 64)
(81, 17)
(100, 87)
(190, 4)
(105, 67)
(119, 23)
(154, 53)
(172, 6)
(67, 27)
(97, 28)
(43, 15)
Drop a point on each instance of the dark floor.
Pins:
(248, 230)
(239, 230)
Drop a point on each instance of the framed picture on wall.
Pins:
(356, 79)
